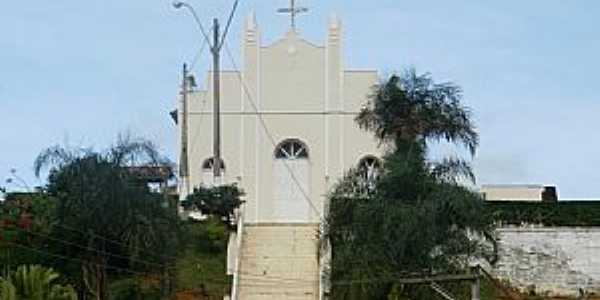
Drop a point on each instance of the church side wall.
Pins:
(551, 260)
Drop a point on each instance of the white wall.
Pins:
(302, 91)
(554, 260)
(512, 192)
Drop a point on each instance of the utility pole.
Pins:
(217, 44)
(216, 49)
(183, 164)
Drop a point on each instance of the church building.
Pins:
(287, 136)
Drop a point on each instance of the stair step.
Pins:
(279, 262)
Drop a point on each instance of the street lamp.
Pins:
(22, 182)
(215, 47)
(180, 4)
(177, 4)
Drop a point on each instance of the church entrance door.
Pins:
(291, 177)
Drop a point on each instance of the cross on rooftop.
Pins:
(293, 11)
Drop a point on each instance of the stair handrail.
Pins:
(238, 254)
(506, 291)
(441, 291)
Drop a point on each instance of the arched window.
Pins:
(209, 163)
(369, 168)
(291, 149)
(208, 177)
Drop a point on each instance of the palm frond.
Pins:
(413, 106)
(54, 156)
(129, 151)
(452, 169)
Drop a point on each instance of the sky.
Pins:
(78, 73)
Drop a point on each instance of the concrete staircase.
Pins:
(279, 261)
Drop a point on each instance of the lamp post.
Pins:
(215, 48)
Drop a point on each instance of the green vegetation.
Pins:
(99, 223)
(201, 267)
(221, 201)
(415, 218)
(563, 213)
(107, 219)
(34, 282)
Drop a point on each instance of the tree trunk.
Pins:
(101, 282)
(94, 278)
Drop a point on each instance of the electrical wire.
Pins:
(257, 280)
(65, 242)
(270, 136)
(75, 259)
(231, 15)
(198, 54)
(198, 22)
(108, 240)
(255, 277)
(273, 278)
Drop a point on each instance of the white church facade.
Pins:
(288, 135)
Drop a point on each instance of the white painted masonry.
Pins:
(300, 92)
(551, 260)
(512, 192)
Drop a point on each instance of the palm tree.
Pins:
(34, 283)
(410, 110)
(111, 209)
(417, 218)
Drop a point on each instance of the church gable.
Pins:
(292, 75)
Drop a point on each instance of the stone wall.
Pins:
(550, 260)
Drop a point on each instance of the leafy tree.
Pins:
(418, 218)
(24, 217)
(219, 201)
(33, 282)
(109, 218)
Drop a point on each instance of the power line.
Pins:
(266, 129)
(166, 256)
(179, 4)
(76, 259)
(256, 277)
(231, 15)
(261, 280)
(109, 240)
(264, 280)
(198, 54)
(63, 241)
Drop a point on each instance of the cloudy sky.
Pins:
(80, 72)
